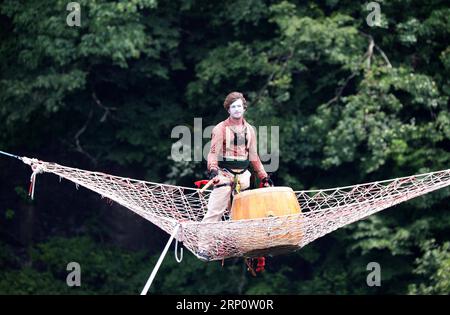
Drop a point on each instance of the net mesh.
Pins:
(323, 211)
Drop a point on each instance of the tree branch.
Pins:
(270, 78)
(367, 57)
(340, 90)
(78, 146)
(369, 52)
(389, 65)
(105, 108)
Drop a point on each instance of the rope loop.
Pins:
(179, 259)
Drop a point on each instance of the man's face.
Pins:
(236, 109)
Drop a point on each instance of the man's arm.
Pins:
(254, 157)
(216, 148)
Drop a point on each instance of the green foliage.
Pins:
(104, 270)
(434, 267)
(106, 96)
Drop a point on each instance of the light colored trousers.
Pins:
(218, 203)
(219, 200)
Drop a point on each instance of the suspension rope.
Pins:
(37, 169)
(160, 260)
(10, 155)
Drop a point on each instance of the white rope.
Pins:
(160, 260)
(178, 259)
(37, 170)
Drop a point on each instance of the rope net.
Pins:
(322, 211)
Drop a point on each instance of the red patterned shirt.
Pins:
(229, 143)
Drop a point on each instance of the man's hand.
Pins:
(213, 173)
(267, 182)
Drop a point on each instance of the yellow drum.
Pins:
(280, 229)
(264, 202)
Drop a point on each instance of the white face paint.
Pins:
(236, 109)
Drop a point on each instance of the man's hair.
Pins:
(234, 96)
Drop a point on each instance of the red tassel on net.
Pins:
(261, 264)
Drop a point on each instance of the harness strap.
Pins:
(235, 172)
(228, 184)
